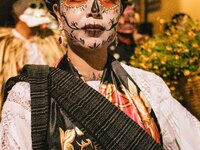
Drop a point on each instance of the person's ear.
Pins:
(57, 12)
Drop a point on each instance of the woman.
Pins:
(136, 110)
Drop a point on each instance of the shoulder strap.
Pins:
(37, 76)
(96, 116)
(38, 79)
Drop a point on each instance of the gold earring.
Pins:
(60, 40)
(61, 37)
(116, 40)
(60, 28)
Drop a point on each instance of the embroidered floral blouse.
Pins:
(180, 130)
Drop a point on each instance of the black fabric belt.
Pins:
(95, 115)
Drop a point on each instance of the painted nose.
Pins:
(95, 7)
(95, 10)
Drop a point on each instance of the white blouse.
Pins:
(180, 129)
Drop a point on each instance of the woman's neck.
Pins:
(89, 63)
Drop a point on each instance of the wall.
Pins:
(170, 7)
(191, 7)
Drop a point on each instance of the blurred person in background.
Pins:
(25, 37)
(127, 36)
(178, 22)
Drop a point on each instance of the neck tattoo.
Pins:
(94, 76)
(91, 77)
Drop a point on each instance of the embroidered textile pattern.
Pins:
(132, 104)
(13, 97)
(124, 93)
(7, 117)
(69, 136)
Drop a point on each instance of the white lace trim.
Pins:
(8, 142)
(20, 94)
(6, 117)
(16, 112)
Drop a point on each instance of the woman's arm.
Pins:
(185, 127)
(15, 127)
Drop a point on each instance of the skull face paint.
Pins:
(90, 23)
(104, 3)
(33, 12)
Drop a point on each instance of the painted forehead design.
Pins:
(109, 4)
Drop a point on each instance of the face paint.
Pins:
(127, 22)
(105, 3)
(35, 14)
(90, 23)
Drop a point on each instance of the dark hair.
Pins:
(124, 3)
(49, 4)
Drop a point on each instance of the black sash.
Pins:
(96, 116)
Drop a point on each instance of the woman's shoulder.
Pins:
(142, 74)
(152, 85)
(20, 94)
